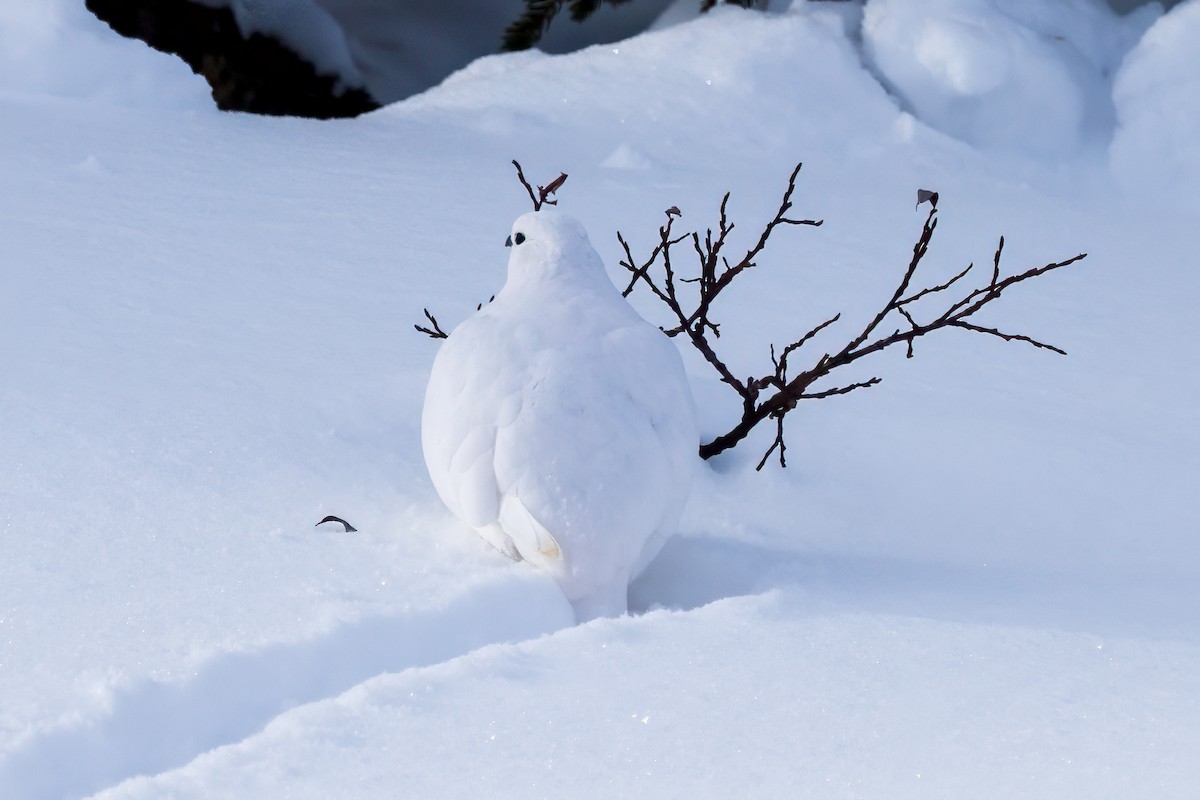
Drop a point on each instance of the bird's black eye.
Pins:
(520, 237)
(508, 242)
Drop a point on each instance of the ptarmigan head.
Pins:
(549, 243)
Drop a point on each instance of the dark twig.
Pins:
(348, 528)
(774, 395)
(542, 198)
(521, 177)
(436, 331)
(777, 444)
(941, 287)
(1008, 337)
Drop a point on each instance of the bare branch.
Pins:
(996, 262)
(777, 393)
(779, 379)
(1008, 337)
(941, 287)
(840, 390)
(777, 444)
(919, 250)
(713, 286)
(542, 197)
(642, 272)
(436, 331)
(544, 192)
(521, 177)
(911, 322)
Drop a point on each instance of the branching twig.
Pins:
(542, 197)
(436, 331)
(777, 393)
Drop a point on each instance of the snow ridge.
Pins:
(154, 726)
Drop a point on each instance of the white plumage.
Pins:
(559, 424)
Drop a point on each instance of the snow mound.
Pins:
(1023, 75)
(1156, 148)
(709, 68)
(851, 706)
(57, 48)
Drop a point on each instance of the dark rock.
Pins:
(254, 73)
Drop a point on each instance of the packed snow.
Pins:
(1157, 96)
(1010, 73)
(979, 578)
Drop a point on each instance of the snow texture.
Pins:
(1156, 150)
(1016, 74)
(58, 48)
(978, 579)
(559, 424)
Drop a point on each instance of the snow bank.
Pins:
(972, 572)
(745, 698)
(1156, 150)
(399, 49)
(712, 88)
(1026, 75)
(57, 48)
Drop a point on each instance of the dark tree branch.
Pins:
(779, 379)
(777, 444)
(710, 284)
(521, 177)
(1008, 337)
(774, 395)
(436, 331)
(542, 198)
(840, 390)
(941, 287)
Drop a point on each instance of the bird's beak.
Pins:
(508, 242)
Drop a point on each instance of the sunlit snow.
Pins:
(977, 579)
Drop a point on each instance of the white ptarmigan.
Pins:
(559, 424)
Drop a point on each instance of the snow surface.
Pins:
(979, 578)
(1009, 73)
(58, 48)
(1157, 95)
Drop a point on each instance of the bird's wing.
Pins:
(468, 397)
(652, 373)
(473, 476)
